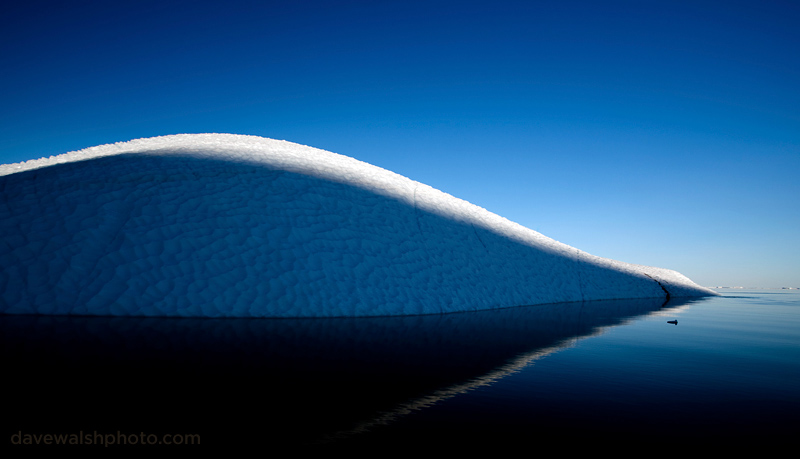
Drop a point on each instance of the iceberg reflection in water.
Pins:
(308, 379)
(326, 383)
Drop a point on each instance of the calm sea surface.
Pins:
(579, 375)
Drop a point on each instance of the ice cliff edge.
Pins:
(220, 225)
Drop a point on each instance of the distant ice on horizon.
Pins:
(222, 225)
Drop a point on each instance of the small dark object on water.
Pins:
(672, 322)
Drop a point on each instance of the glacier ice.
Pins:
(222, 225)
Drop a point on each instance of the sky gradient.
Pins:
(659, 133)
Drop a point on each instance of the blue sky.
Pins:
(659, 133)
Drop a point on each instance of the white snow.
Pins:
(220, 225)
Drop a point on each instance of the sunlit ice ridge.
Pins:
(221, 225)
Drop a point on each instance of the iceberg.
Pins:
(222, 225)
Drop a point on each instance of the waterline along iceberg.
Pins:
(219, 225)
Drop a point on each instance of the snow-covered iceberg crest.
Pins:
(218, 225)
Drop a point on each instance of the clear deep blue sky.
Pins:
(653, 132)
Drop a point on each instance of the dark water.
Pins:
(578, 376)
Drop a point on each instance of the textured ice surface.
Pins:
(217, 225)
